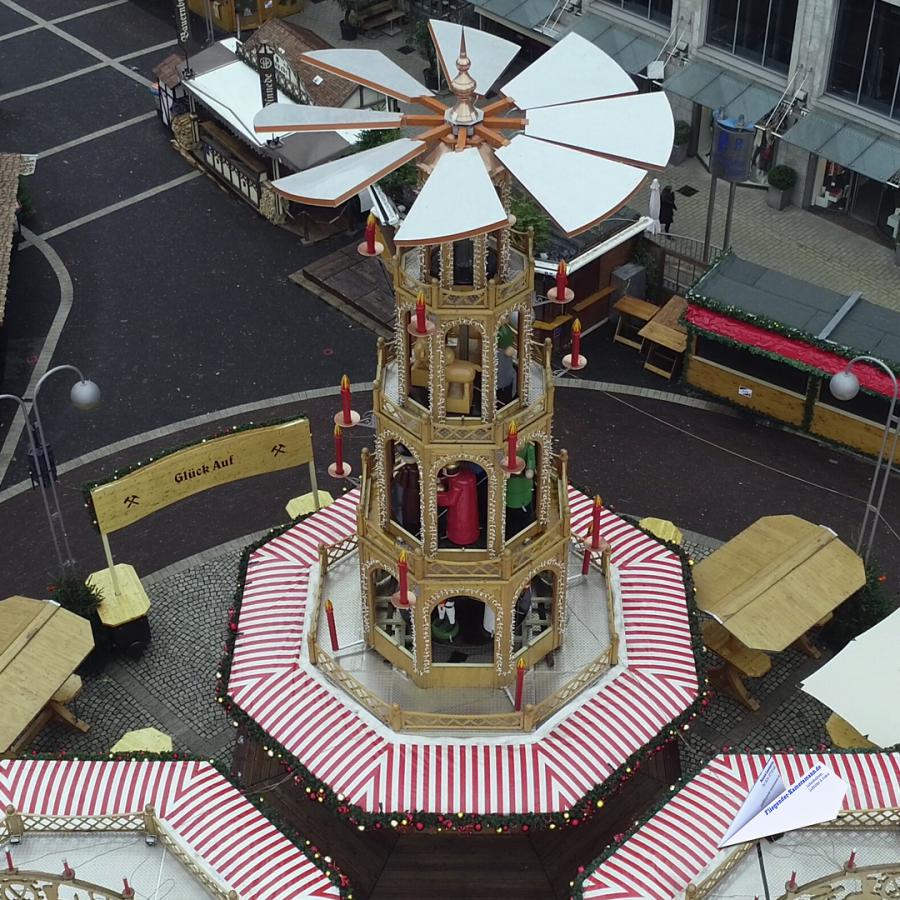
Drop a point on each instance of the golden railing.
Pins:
(26, 884)
(329, 554)
(14, 826)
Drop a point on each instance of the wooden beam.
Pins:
(498, 106)
(492, 137)
(504, 122)
(432, 103)
(435, 133)
(461, 139)
(423, 119)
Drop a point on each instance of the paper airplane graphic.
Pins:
(770, 808)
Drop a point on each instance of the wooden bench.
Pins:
(740, 662)
(633, 314)
(377, 15)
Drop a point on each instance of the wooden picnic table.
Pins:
(667, 338)
(777, 579)
(41, 645)
(633, 313)
(739, 662)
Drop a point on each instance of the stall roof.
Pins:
(631, 50)
(715, 88)
(861, 149)
(806, 309)
(11, 167)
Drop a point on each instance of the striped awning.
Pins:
(716, 89)
(851, 146)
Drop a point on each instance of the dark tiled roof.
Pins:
(292, 42)
(11, 166)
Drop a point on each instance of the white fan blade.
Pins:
(638, 129)
(370, 68)
(286, 117)
(571, 70)
(334, 182)
(577, 189)
(489, 54)
(459, 200)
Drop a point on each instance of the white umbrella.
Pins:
(860, 684)
(654, 227)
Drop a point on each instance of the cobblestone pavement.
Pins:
(794, 241)
(171, 686)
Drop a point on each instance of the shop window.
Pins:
(462, 631)
(754, 365)
(405, 493)
(392, 622)
(533, 612)
(865, 55)
(521, 491)
(873, 407)
(656, 10)
(462, 501)
(761, 31)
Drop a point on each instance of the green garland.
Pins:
(318, 791)
(585, 873)
(321, 861)
(89, 486)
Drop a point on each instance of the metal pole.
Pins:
(762, 870)
(875, 509)
(709, 217)
(727, 239)
(37, 460)
(314, 484)
(110, 564)
(69, 561)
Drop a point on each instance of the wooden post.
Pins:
(110, 564)
(528, 717)
(395, 717)
(151, 825)
(14, 825)
(314, 483)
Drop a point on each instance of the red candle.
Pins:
(403, 570)
(332, 628)
(345, 399)
(562, 281)
(586, 560)
(370, 234)
(128, 892)
(421, 327)
(792, 884)
(595, 523)
(576, 342)
(9, 862)
(68, 871)
(851, 863)
(520, 683)
(339, 449)
(512, 440)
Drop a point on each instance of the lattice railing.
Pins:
(574, 686)
(451, 434)
(428, 721)
(355, 688)
(188, 860)
(77, 824)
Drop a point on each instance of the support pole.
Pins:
(110, 564)
(726, 241)
(710, 209)
(314, 483)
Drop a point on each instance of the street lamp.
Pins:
(85, 395)
(845, 386)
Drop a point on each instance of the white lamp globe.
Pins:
(84, 395)
(844, 385)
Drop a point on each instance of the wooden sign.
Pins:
(193, 470)
(265, 66)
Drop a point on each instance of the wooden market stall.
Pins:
(770, 343)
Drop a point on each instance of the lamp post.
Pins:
(85, 395)
(845, 386)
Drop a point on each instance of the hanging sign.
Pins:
(182, 22)
(214, 462)
(265, 65)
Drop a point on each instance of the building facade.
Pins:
(819, 78)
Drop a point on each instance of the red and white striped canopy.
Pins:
(204, 810)
(375, 768)
(678, 845)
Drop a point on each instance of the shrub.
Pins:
(782, 177)
(859, 612)
(682, 132)
(529, 214)
(76, 596)
(394, 183)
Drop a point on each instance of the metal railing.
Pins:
(682, 263)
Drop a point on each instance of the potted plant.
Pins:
(680, 142)
(781, 182)
(349, 26)
(80, 598)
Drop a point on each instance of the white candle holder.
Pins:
(354, 419)
(334, 473)
(517, 470)
(414, 331)
(568, 296)
(363, 249)
(567, 362)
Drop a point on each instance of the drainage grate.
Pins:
(406, 49)
(688, 191)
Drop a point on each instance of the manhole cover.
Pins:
(406, 49)
(688, 191)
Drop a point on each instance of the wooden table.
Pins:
(739, 662)
(667, 338)
(777, 579)
(663, 529)
(41, 645)
(633, 313)
(845, 736)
